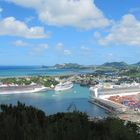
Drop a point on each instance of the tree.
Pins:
(28, 123)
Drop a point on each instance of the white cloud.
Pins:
(67, 52)
(125, 32)
(61, 49)
(86, 49)
(20, 43)
(11, 26)
(34, 49)
(76, 13)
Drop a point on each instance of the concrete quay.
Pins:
(117, 110)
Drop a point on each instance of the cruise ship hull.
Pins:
(62, 87)
(105, 93)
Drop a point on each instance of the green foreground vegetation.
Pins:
(22, 122)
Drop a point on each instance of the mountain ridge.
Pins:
(80, 66)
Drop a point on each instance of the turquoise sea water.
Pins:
(50, 101)
(10, 71)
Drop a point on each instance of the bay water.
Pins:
(51, 101)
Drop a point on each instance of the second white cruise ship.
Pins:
(64, 86)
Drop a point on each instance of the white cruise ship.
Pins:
(121, 90)
(64, 86)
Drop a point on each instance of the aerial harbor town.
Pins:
(113, 86)
(69, 69)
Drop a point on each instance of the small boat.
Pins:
(63, 86)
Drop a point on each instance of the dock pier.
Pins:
(117, 110)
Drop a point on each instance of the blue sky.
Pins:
(46, 32)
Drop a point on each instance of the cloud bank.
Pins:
(11, 26)
(75, 13)
(125, 32)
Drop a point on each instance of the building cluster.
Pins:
(130, 101)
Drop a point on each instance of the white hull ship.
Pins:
(64, 86)
(21, 89)
(122, 90)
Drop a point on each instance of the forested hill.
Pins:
(67, 66)
(137, 64)
(116, 65)
(22, 122)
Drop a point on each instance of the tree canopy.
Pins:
(21, 122)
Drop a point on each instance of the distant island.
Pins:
(117, 65)
(68, 66)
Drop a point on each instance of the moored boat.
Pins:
(64, 86)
